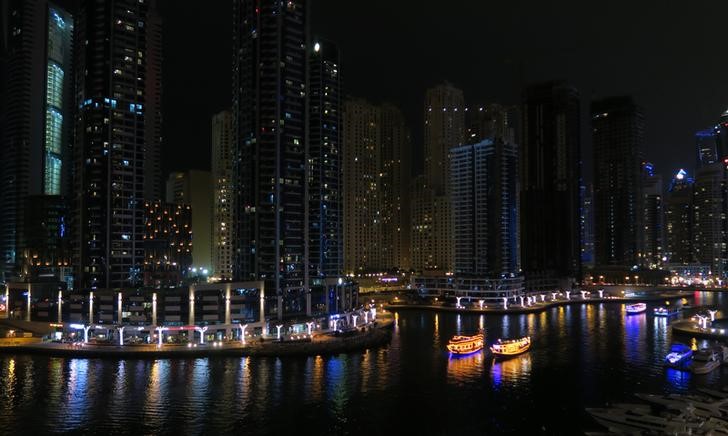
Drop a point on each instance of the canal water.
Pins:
(582, 356)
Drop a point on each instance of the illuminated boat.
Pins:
(636, 308)
(679, 356)
(511, 347)
(705, 361)
(665, 311)
(466, 344)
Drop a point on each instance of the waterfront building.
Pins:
(618, 136)
(394, 185)
(112, 155)
(222, 178)
(325, 171)
(362, 196)
(37, 125)
(652, 236)
(444, 128)
(710, 236)
(679, 220)
(167, 243)
(587, 226)
(195, 188)
(550, 180)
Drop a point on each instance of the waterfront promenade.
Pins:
(539, 306)
(372, 335)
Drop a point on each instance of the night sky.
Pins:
(668, 56)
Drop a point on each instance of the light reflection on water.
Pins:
(586, 354)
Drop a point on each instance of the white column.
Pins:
(242, 333)
(227, 304)
(279, 327)
(568, 295)
(154, 309)
(601, 293)
(7, 300)
(91, 307)
(712, 314)
(354, 317)
(85, 333)
(121, 335)
(505, 303)
(191, 318)
(118, 310)
(553, 296)
(60, 303)
(310, 327)
(261, 309)
(521, 297)
(27, 314)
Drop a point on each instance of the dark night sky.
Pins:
(669, 56)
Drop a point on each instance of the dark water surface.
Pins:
(582, 356)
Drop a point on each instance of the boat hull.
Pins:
(508, 350)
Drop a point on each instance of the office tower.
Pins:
(167, 243)
(153, 180)
(618, 136)
(679, 220)
(325, 179)
(587, 226)
(484, 200)
(652, 218)
(490, 121)
(195, 188)
(362, 197)
(37, 106)
(444, 128)
(394, 185)
(46, 247)
(710, 235)
(422, 205)
(269, 129)
(222, 177)
(112, 58)
(550, 180)
(706, 147)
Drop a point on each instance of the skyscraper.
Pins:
(222, 178)
(550, 180)
(651, 233)
(484, 200)
(153, 181)
(710, 232)
(706, 147)
(679, 220)
(325, 179)
(113, 63)
(618, 135)
(37, 105)
(394, 185)
(444, 128)
(362, 197)
(270, 43)
(587, 226)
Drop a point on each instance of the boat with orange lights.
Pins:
(511, 347)
(462, 345)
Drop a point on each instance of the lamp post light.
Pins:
(121, 335)
(160, 334)
(242, 333)
(712, 314)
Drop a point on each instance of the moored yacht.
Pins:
(462, 345)
(511, 347)
(636, 308)
(679, 356)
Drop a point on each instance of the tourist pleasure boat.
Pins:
(466, 344)
(636, 308)
(679, 356)
(665, 311)
(511, 347)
